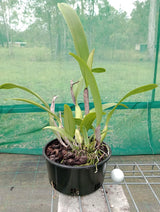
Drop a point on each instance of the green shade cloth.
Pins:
(43, 65)
(132, 131)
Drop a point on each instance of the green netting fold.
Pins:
(132, 131)
(26, 108)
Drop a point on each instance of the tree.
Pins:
(152, 28)
(8, 15)
(138, 24)
(48, 13)
(111, 26)
(3, 38)
(5, 21)
(36, 34)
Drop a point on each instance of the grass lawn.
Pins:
(31, 67)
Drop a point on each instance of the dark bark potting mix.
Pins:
(58, 153)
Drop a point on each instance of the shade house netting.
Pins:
(34, 47)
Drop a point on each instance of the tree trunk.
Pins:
(58, 44)
(50, 34)
(152, 29)
(64, 39)
(82, 7)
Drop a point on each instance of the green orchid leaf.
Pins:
(109, 105)
(123, 105)
(11, 86)
(69, 123)
(88, 121)
(104, 106)
(77, 121)
(76, 29)
(38, 105)
(85, 136)
(77, 87)
(90, 59)
(82, 66)
(98, 70)
(133, 92)
(93, 87)
(78, 137)
(61, 131)
(140, 90)
(78, 112)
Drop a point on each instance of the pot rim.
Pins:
(75, 167)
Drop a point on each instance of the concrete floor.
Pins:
(24, 185)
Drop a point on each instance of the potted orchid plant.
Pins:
(76, 159)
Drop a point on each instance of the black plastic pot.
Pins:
(75, 180)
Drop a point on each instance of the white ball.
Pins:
(117, 175)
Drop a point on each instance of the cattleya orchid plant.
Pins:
(74, 131)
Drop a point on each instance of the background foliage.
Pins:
(44, 26)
